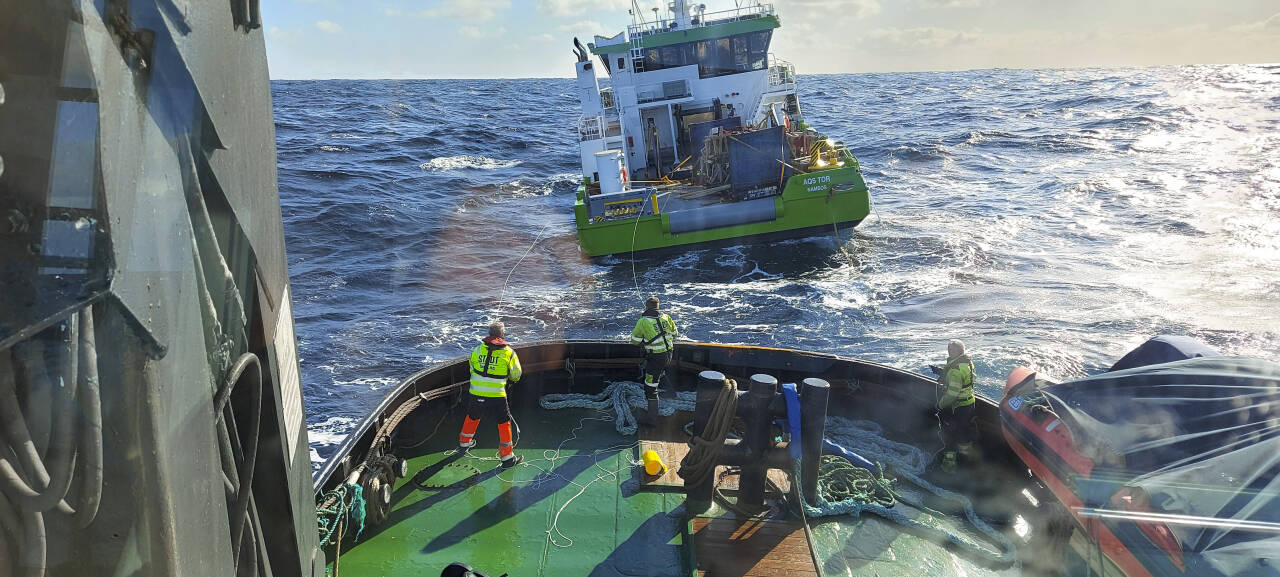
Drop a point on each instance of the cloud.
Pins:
(544, 37)
(1269, 26)
(839, 9)
(563, 8)
(328, 27)
(477, 32)
(927, 37)
(467, 10)
(953, 3)
(583, 28)
(391, 11)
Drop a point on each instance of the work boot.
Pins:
(649, 418)
(949, 462)
(968, 452)
(513, 461)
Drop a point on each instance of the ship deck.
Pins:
(574, 507)
(579, 505)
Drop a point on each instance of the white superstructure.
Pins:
(664, 75)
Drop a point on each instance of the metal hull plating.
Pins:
(809, 205)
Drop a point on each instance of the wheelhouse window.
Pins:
(714, 57)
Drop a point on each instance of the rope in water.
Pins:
(622, 398)
(345, 501)
(503, 295)
(908, 462)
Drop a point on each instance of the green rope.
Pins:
(346, 499)
(839, 480)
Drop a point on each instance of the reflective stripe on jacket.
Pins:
(491, 367)
(657, 334)
(958, 376)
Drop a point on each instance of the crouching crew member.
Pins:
(493, 364)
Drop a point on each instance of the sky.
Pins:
(533, 38)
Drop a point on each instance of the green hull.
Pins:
(806, 206)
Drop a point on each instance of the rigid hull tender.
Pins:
(1168, 463)
(695, 134)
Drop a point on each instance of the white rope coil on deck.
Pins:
(621, 398)
(908, 462)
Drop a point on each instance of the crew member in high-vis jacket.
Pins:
(955, 407)
(493, 364)
(656, 332)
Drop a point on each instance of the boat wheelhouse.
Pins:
(694, 133)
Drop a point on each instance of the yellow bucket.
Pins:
(652, 463)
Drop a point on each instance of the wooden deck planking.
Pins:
(727, 547)
(672, 452)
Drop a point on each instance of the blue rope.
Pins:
(348, 500)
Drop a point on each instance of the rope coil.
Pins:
(705, 449)
(621, 398)
(908, 462)
(347, 502)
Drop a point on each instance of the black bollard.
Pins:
(814, 393)
(763, 389)
(709, 385)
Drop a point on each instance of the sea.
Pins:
(1048, 218)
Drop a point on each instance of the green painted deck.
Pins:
(577, 511)
(577, 506)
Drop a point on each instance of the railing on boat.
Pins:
(597, 127)
(781, 72)
(699, 19)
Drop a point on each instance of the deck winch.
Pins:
(718, 402)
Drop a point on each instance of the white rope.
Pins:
(503, 295)
(621, 398)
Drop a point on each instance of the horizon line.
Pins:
(929, 71)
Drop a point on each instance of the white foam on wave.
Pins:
(331, 431)
(330, 148)
(466, 161)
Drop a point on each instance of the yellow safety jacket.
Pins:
(491, 366)
(657, 334)
(958, 377)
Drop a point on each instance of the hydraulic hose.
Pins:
(31, 559)
(50, 490)
(30, 355)
(91, 436)
(240, 508)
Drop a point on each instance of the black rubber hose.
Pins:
(57, 479)
(16, 431)
(10, 522)
(91, 436)
(31, 560)
(240, 512)
(30, 354)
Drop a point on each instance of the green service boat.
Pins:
(694, 134)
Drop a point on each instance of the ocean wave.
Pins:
(464, 161)
(1048, 217)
